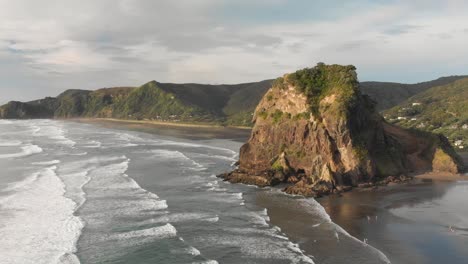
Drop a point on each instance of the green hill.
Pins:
(219, 104)
(442, 109)
(388, 95)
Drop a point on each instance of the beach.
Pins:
(181, 130)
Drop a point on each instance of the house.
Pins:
(465, 126)
(401, 118)
(458, 143)
(414, 119)
(416, 104)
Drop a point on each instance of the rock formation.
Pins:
(315, 129)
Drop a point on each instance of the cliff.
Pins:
(315, 129)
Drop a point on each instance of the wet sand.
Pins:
(414, 222)
(424, 221)
(187, 131)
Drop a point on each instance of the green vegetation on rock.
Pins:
(318, 82)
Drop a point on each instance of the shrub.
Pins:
(276, 116)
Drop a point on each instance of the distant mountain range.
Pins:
(443, 103)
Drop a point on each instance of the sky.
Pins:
(49, 46)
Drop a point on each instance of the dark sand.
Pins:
(409, 223)
(187, 131)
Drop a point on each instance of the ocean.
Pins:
(79, 193)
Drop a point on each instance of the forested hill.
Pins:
(442, 109)
(388, 94)
(220, 104)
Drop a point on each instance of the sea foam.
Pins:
(26, 150)
(41, 218)
(159, 232)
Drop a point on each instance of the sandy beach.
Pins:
(416, 222)
(181, 130)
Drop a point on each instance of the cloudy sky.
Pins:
(48, 46)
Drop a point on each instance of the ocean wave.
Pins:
(52, 130)
(128, 198)
(93, 144)
(174, 154)
(79, 154)
(165, 231)
(189, 250)
(26, 150)
(262, 245)
(214, 156)
(23, 183)
(206, 262)
(192, 145)
(182, 217)
(52, 162)
(12, 143)
(74, 183)
(5, 122)
(42, 220)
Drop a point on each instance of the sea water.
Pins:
(77, 193)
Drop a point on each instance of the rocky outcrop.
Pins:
(19, 110)
(315, 129)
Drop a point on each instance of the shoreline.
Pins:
(177, 130)
(384, 218)
(159, 123)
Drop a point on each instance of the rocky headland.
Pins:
(315, 130)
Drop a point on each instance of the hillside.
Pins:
(442, 109)
(231, 105)
(388, 95)
(315, 128)
(220, 104)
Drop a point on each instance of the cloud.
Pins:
(51, 45)
(401, 29)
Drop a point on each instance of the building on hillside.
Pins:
(458, 143)
(465, 126)
(416, 104)
(421, 125)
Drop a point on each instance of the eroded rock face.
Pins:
(316, 128)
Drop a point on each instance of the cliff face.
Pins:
(19, 110)
(315, 128)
